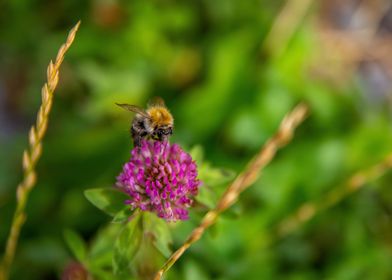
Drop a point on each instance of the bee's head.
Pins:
(162, 132)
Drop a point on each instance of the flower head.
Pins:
(160, 178)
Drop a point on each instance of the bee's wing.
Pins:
(156, 101)
(134, 108)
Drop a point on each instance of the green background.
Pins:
(227, 88)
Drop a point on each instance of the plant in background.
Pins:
(191, 52)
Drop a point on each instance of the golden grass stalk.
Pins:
(242, 182)
(309, 210)
(285, 25)
(33, 153)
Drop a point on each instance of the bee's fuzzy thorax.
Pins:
(160, 116)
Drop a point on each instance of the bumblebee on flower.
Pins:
(159, 177)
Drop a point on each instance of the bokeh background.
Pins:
(229, 71)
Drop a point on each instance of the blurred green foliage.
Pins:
(227, 94)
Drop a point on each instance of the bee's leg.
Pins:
(136, 141)
(138, 133)
(163, 138)
(136, 136)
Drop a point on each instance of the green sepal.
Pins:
(123, 215)
(160, 231)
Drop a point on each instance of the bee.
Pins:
(156, 122)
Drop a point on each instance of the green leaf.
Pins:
(160, 230)
(76, 244)
(127, 244)
(101, 248)
(148, 259)
(212, 176)
(197, 154)
(206, 196)
(208, 174)
(100, 273)
(109, 200)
